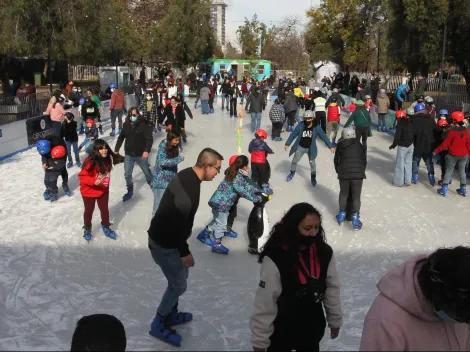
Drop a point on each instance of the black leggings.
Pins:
(364, 133)
(291, 117)
(277, 128)
(353, 189)
(260, 173)
(320, 116)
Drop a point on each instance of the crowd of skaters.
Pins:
(281, 300)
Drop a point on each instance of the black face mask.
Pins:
(308, 240)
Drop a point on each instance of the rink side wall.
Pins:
(14, 138)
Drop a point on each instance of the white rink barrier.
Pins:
(14, 137)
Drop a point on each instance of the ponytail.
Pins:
(240, 162)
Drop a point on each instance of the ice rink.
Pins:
(51, 277)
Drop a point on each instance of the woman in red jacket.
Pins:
(458, 146)
(94, 187)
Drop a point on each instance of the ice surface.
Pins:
(50, 277)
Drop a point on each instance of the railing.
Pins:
(83, 73)
(22, 107)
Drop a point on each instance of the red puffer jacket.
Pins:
(333, 113)
(88, 176)
(456, 142)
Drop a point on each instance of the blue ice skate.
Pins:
(161, 329)
(87, 232)
(357, 224)
(205, 237)
(108, 232)
(462, 190)
(290, 176)
(341, 217)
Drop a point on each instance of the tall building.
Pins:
(218, 19)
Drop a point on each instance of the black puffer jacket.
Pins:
(423, 133)
(350, 160)
(138, 138)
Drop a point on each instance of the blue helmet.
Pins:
(43, 146)
(420, 107)
(443, 112)
(112, 85)
(81, 101)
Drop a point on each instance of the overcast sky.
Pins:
(268, 11)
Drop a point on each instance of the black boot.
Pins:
(313, 179)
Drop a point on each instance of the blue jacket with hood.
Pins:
(297, 135)
(400, 93)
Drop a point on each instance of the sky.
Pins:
(268, 11)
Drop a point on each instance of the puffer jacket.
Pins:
(290, 103)
(87, 177)
(456, 142)
(333, 113)
(165, 168)
(258, 150)
(383, 104)
(228, 192)
(255, 102)
(350, 160)
(276, 114)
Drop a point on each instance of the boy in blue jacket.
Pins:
(305, 134)
(236, 184)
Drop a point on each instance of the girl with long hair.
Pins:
(235, 185)
(298, 279)
(166, 167)
(94, 187)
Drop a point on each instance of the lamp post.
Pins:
(116, 40)
(441, 71)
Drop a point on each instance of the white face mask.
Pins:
(148, 98)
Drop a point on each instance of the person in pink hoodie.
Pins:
(423, 305)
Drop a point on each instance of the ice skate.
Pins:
(46, 195)
(177, 318)
(108, 232)
(290, 176)
(231, 234)
(87, 233)
(462, 190)
(161, 329)
(205, 237)
(218, 248)
(432, 180)
(113, 132)
(69, 165)
(443, 191)
(341, 217)
(129, 194)
(313, 179)
(414, 178)
(267, 189)
(67, 191)
(357, 224)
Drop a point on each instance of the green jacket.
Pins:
(360, 117)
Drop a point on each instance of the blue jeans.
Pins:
(382, 120)
(298, 118)
(225, 99)
(299, 153)
(157, 197)
(427, 157)
(243, 98)
(169, 260)
(73, 145)
(451, 162)
(116, 113)
(205, 106)
(255, 121)
(403, 166)
(218, 224)
(129, 167)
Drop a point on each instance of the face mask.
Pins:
(443, 316)
(243, 172)
(133, 118)
(74, 90)
(308, 240)
(148, 98)
(112, 90)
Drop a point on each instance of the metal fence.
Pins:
(22, 107)
(83, 73)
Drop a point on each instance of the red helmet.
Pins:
(442, 122)
(232, 159)
(90, 121)
(400, 114)
(58, 152)
(457, 116)
(261, 134)
(306, 96)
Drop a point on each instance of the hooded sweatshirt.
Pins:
(402, 319)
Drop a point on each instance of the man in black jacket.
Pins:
(169, 232)
(139, 140)
(225, 93)
(350, 164)
(423, 141)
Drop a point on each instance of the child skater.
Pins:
(54, 157)
(458, 146)
(94, 187)
(298, 281)
(333, 115)
(90, 135)
(69, 133)
(440, 135)
(277, 117)
(235, 185)
(166, 167)
(404, 140)
(232, 214)
(260, 169)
